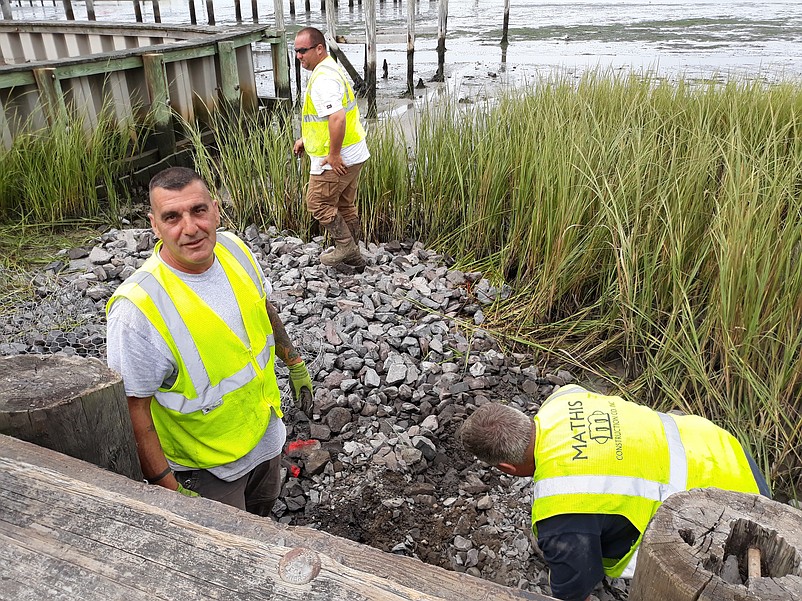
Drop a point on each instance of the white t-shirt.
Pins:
(327, 96)
(136, 350)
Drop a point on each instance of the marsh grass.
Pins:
(49, 176)
(649, 224)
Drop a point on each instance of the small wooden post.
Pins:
(281, 62)
(370, 57)
(137, 11)
(51, 96)
(506, 26)
(238, 10)
(331, 19)
(157, 13)
(210, 11)
(292, 7)
(6, 6)
(193, 15)
(68, 10)
(90, 10)
(411, 47)
(158, 90)
(72, 405)
(442, 26)
(229, 76)
(307, 6)
(255, 10)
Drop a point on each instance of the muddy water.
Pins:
(701, 39)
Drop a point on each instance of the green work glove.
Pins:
(301, 386)
(185, 491)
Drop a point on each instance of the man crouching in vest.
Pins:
(333, 136)
(195, 337)
(602, 466)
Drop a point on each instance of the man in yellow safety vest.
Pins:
(334, 138)
(194, 336)
(601, 467)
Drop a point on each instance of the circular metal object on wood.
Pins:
(698, 545)
(299, 566)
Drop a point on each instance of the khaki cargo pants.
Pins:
(329, 194)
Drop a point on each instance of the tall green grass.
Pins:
(53, 175)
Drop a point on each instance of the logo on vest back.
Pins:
(599, 427)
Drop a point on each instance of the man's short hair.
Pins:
(497, 433)
(315, 36)
(174, 178)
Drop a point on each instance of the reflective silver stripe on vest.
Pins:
(624, 485)
(242, 258)
(209, 397)
(317, 119)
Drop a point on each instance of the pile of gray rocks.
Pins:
(399, 358)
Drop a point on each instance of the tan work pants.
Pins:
(329, 194)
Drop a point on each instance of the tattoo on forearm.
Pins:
(284, 348)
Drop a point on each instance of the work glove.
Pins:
(185, 491)
(301, 386)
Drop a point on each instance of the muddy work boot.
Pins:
(345, 257)
(355, 227)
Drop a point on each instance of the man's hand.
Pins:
(301, 386)
(185, 491)
(298, 148)
(336, 162)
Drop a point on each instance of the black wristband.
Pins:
(161, 476)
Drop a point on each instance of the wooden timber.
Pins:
(70, 530)
(136, 71)
(73, 405)
(690, 538)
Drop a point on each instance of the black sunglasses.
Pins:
(305, 50)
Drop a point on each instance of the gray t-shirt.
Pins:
(140, 355)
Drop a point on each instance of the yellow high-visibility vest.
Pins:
(604, 455)
(315, 129)
(218, 409)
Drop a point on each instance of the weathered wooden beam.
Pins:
(193, 13)
(157, 13)
(411, 48)
(5, 5)
(158, 90)
(210, 11)
(68, 12)
(506, 25)
(90, 10)
(91, 535)
(138, 11)
(442, 27)
(359, 83)
(51, 96)
(694, 534)
(229, 75)
(370, 57)
(281, 61)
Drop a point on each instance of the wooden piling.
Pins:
(411, 47)
(158, 90)
(331, 18)
(292, 7)
(72, 405)
(90, 10)
(505, 27)
(68, 10)
(281, 64)
(6, 7)
(370, 57)
(138, 11)
(442, 26)
(210, 11)
(193, 15)
(255, 10)
(157, 12)
(238, 10)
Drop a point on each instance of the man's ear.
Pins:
(515, 470)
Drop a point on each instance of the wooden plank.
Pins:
(229, 76)
(69, 528)
(51, 97)
(12, 80)
(156, 80)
